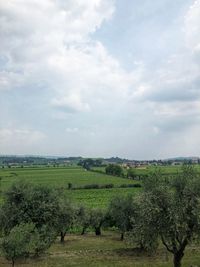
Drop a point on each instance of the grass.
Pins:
(107, 251)
(99, 197)
(89, 250)
(60, 177)
(165, 170)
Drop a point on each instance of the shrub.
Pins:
(91, 186)
(130, 185)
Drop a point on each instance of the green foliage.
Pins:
(97, 218)
(114, 169)
(20, 242)
(143, 232)
(120, 211)
(83, 218)
(27, 203)
(66, 217)
(173, 210)
(95, 186)
(44, 238)
(131, 173)
(89, 163)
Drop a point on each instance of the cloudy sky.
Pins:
(100, 78)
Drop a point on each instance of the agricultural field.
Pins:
(60, 177)
(107, 250)
(165, 170)
(78, 177)
(91, 250)
(99, 197)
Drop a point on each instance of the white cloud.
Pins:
(49, 44)
(18, 140)
(72, 104)
(173, 89)
(192, 27)
(72, 130)
(48, 50)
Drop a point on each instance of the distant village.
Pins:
(23, 161)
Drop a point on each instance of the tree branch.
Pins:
(166, 245)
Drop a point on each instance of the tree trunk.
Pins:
(83, 231)
(122, 237)
(13, 263)
(62, 237)
(98, 231)
(177, 258)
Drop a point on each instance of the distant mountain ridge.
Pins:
(183, 158)
(8, 159)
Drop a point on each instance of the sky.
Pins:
(100, 78)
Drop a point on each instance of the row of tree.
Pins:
(167, 211)
(89, 163)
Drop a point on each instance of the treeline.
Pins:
(117, 170)
(89, 163)
(167, 212)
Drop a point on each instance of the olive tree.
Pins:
(97, 218)
(174, 210)
(19, 243)
(66, 217)
(83, 218)
(23, 204)
(143, 233)
(121, 210)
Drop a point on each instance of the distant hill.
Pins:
(182, 158)
(53, 160)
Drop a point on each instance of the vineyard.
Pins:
(77, 177)
(60, 178)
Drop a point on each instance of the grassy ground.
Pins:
(60, 177)
(99, 197)
(168, 170)
(108, 250)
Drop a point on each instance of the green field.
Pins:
(99, 197)
(60, 177)
(90, 250)
(165, 170)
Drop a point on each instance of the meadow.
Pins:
(164, 170)
(60, 177)
(107, 250)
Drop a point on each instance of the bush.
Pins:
(95, 186)
(130, 185)
(70, 186)
(107, 186)
(91, 186)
